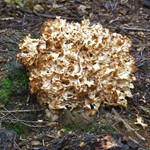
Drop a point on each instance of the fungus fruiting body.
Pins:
(75, 65)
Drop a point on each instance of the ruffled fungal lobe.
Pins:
(76, 65)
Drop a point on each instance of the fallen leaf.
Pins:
(56, 5)
(124, 1)
(38, 7)
(108, 142)
(9, 1)
(140, 121)
(82, 8)
(2, 59)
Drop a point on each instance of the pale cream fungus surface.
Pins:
(76, 65)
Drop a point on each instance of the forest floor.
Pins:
(23, 123)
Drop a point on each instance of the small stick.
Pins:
(143, 58)
(136, 29)
(21, 121)
(128, 127)
(30, 123)
(20, 111)
(16, 146)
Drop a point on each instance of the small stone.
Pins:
(36, 143)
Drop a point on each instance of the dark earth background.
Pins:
(24, 124)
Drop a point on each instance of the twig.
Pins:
(4, 116)
(142, 52)
(23, 20)
(142, 62)
(20, 111)
(16, 146)
(25, 122)
(21, 121)
(16, 119)
(113, 5)
(128, 127)
(42, 122)
(135, 29)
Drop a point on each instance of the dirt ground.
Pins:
(112, 125)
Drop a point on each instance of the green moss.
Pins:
(20, 82)
(20, 128)
(103, 128)
(13, 84)
(5, 88)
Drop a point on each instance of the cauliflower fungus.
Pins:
(75, 65)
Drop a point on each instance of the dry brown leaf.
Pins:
(140, 121)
